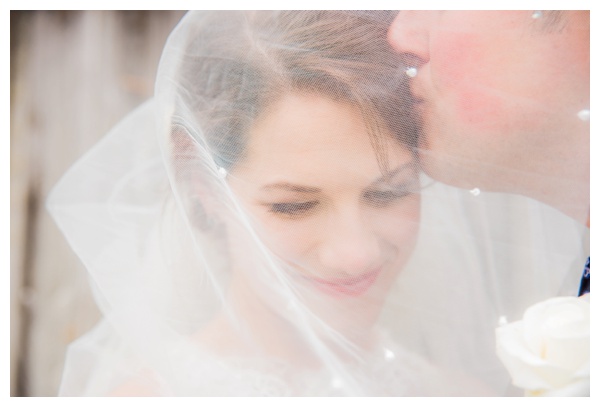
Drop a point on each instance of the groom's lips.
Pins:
(352, 286)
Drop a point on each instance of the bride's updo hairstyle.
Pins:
(237, 65)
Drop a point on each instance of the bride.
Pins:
(252, 229)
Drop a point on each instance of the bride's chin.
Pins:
(349, 311)
(278, 330)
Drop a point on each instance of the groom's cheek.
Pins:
(461, 81)
(476, 81)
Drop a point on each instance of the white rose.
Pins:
(548, 352)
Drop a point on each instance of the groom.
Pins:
(504, 97)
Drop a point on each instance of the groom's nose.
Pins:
(409, 35)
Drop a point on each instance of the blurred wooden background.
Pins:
(74, 74)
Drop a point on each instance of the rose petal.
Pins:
(558, 331)
(549, 349)
(528, 370)
(579, 388)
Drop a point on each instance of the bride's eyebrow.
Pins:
(385, 178)
(286, 186)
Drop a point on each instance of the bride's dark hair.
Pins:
(237, 66)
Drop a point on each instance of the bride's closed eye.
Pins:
(292, 209)
(382, 198)
(384, 195)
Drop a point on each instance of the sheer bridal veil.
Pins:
(263, 226)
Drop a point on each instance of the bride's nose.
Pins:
(349, 246)
(409, 35)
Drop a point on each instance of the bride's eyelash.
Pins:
(375, 197)
(292, 208)
(383, 197)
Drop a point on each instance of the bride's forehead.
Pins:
(292, 109)
(328, 169)
(312, 137)
(311, 124)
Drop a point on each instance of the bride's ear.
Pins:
(198, 188)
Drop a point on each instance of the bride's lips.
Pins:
(352, 286)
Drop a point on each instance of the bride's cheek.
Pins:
(290, 239)
(398, 225)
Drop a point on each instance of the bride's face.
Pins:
(311, 180)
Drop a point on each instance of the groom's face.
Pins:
(495, 87)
